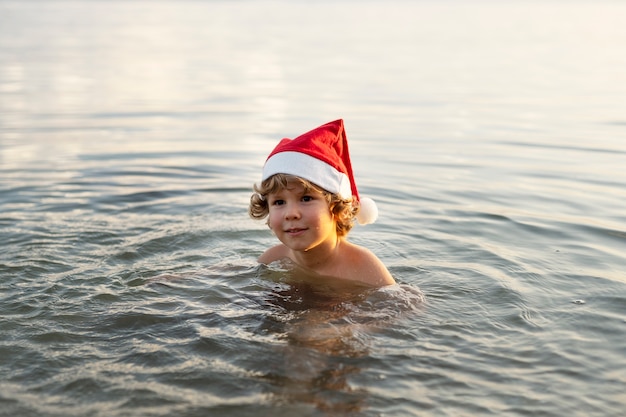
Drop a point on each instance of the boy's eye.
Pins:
(307, 198)
(278, 202)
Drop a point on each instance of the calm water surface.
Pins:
(492, 136)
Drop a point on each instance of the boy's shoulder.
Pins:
(357, 264)
(366, 266)
(275, 253)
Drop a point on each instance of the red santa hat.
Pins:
(321, 156)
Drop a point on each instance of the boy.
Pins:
(309, 193)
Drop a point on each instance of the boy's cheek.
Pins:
(270, 222)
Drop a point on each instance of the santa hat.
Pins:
(321, 156)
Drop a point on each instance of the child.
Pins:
(309, 193)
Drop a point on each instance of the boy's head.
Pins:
(321, 158)
(343, 210)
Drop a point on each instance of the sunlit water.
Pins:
(491, 134)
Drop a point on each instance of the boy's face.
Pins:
(301, 221)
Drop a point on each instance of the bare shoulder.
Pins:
(367, 266)
(273, 254)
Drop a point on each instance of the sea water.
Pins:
(492, 136)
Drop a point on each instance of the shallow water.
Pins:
(490, 135)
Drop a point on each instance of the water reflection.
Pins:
(322, 348)
(328, 327)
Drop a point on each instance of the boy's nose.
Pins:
(292, 212)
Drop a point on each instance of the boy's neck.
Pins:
(322, 255)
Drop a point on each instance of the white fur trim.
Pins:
(309, 168)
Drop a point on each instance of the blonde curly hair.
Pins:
(344, 211)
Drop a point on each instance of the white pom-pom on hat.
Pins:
(322, 157)
(368, 212)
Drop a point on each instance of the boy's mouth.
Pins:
(295, 230)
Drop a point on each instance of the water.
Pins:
(491, 136)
